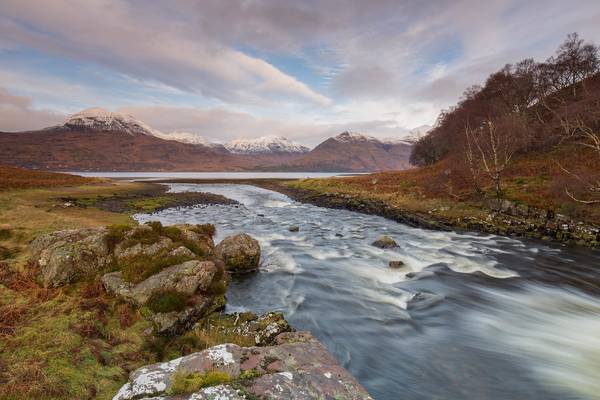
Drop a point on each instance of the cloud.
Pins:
(17, 114)
(223, 67)
(133, 40)
(221, 125)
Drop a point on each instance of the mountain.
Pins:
(265, 145)
(102, 119)
(99, 140)
(190, 138)
(350, 151)
(417, 133)
(412, 137)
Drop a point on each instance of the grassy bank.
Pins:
(75, 342)
(534, 188)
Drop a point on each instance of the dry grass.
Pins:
(534, 179)
(21, 178)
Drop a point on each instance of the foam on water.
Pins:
(555, 332)
(464, 317)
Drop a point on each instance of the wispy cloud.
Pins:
(381, 60)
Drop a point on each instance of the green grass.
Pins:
(183, 382)
(166, 301)
(149, 205)
(136, 269)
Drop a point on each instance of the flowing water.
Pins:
(471, 316)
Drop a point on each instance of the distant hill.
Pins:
(351, 151)
(98, 140)
(265, 145)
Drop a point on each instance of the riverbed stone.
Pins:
(298, 367)
(396, 264)
(294, 228)
(385, 242)
(239, 252)
(70, 255)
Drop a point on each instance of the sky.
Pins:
(306, 69)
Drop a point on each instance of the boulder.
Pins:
(385, 242)
(189, 284)
(294, 228)
(186, 278)
(175, 323)
(240, 253)
(70, 255)
(298, 367)
(203, 242)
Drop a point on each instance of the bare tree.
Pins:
(574, 61)
(588, 137)
(493, 145)
(472, 158)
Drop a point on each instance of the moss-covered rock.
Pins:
(71, 255)
(240, 253)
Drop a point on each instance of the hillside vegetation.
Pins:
(530, 135)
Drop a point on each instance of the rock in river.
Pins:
(385, 242)
(240, 253)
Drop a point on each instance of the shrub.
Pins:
(205, 229)
(186, 382)
(166, 301)
(115, 235)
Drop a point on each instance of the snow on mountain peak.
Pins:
(265, 144)
(349, 136)
(187, 137)
(100, 118)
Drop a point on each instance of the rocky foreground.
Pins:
(177, 278)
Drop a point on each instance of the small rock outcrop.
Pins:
(170, 272)
(385, 242)
(70, 255)
(262, 330)
(240, 253)
(294, 228)
(186, 279)
(396, 264)
(297, 367)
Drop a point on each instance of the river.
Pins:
(471, 316)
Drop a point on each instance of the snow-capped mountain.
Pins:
(102, 119)
(350, 136)
(411, 137)
(265, 144)
(187, 137)
(417, 133)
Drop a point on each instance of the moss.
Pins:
(166, 301)
(205, 229)
(149, 205)
(185, 382)
(220, 282)
(136, 269)
(250, 374)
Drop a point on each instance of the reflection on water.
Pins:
(469, 317)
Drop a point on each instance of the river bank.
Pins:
(74, 339)
(505, 218)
